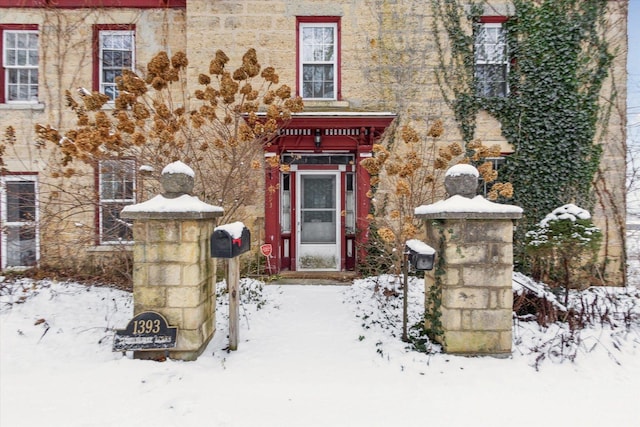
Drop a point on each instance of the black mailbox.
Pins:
(421, 260)
(223, 245)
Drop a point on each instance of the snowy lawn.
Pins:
(307, 356)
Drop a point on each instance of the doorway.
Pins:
(318, 221)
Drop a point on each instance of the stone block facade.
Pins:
(388, 58)
(174, 275)
(474, 280)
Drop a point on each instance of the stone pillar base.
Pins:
(173, 275)
(473, 298)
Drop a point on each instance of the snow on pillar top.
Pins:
(176, 202)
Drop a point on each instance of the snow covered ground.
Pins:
(312, 356)
(307, 356)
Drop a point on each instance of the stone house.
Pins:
(357, 64)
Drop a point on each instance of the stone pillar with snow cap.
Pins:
(173, 272)
(469, 298)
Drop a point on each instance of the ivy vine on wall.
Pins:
(433, 297)
(559, 61)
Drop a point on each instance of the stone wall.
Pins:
(474, 279)
(387, 62)
(174, 275)
(67, 194)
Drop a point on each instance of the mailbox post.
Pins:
(228, 241)
(421, 256)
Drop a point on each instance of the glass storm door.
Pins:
(318, 221)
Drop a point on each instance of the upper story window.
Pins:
(319, 58)
(19, 63)
(115, 52)
(117, 190)
(491, 58)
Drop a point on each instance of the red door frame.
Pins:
(354, 134)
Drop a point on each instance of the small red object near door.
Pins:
(266, 249)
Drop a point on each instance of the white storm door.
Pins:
(318, 221)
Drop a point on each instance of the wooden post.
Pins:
(229, 241)
(405, 295)
(233, 285)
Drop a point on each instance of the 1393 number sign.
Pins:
(146, 326)
(147, 331)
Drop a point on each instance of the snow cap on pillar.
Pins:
(177, 179)
(461, 183)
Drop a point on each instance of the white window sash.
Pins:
(496, 60)
(102, 84)
(105, 202)
(285, 204)
(502, 57)
(28, 66)
(4, 238)
(333, 61)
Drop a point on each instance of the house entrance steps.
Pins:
(339, 278)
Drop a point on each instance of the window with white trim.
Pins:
(491, 60)
(19, 217)
(318, 55)
(117, 190)
(20, 62)
(350, 202)
(116, 54)
(285, 203)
